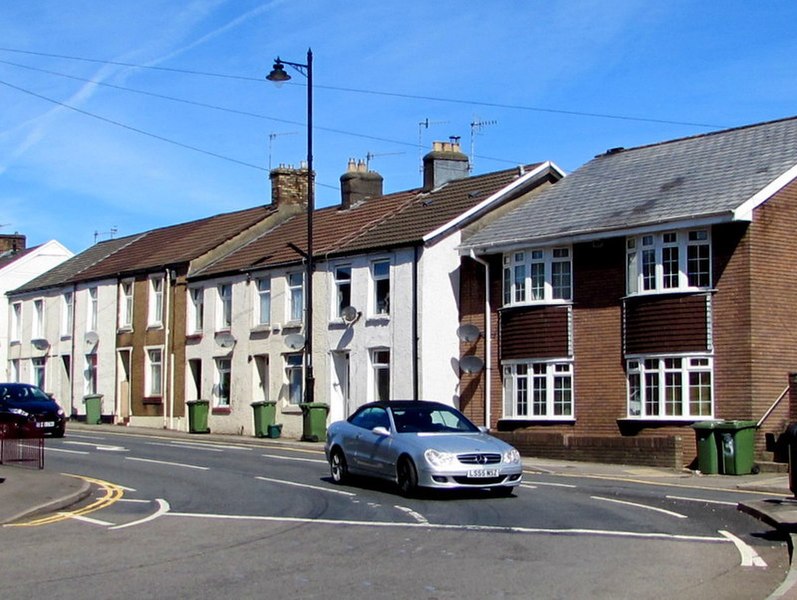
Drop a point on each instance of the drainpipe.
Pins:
(168, 364)
(72, 407)
(415, 337)
(487, 339)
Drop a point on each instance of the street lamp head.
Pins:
(278, 74)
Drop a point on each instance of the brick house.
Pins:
(648, 290)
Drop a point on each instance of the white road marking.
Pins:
(645, 506)
(415, 515)
(702, 500)
(304, 485)
(86, 519)
(65, 451)
(99, 446)
(192, 447)
(750, 557)
(561, 485)
(134, 500)
(85, 437)
(163, 508)
(528, 486)
(296, 458)
(169, 464)
(493, 528)
(204, 445)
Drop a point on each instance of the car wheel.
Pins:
(407, 477)
(502, 491)
(337, 466)
(58, 433)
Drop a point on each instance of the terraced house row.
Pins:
(594, 316)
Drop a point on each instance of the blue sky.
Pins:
(557, 80)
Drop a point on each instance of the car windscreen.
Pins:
(22, 393)
(422, 419)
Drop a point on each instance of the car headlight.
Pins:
(18, 411)
(439, 459)
(511, 457)
(61, 412)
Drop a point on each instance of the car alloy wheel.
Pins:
(406, 476)
(337, 466)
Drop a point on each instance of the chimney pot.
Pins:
(444, 163)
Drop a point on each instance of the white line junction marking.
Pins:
(644, 506)
(750, 557)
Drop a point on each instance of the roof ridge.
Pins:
(696, 136)
(375, 223)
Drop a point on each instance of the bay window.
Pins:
(668, 261)
(537, 276)
(669, 387)
(538, 390)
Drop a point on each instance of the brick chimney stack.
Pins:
(289, 186)
(358, 184)
(444, 163)
(12, 242)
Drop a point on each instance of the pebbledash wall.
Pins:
(753, 309)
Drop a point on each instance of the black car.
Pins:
(28, 406)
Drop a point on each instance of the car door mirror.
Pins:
(484, 429)
(381, 430)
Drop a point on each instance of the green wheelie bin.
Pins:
(265, 414)
(737, 440)
(93, 404)
(314, 421)
(198, 416)
(708, 453)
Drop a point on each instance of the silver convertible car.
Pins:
(420, 444)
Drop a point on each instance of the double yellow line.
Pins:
(113, 493)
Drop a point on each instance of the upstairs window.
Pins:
(196, 309)
(538, 276)
(668, 261)
(67, 307)
(93, 307)
(155, 301)
(225, 307)
(16, 321)
(295, 297)
(126, 305)
(38, 319)
(263, 301)
(342, 288)
(380, 272)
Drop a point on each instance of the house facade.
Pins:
(645, 292)
(386, 286)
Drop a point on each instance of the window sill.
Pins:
(539, 303)
(261, 328)
(153, 400)
(292, 325)
(154, 326)
(537, 420)
(14, 343)
(221, 410)
(670, 292)
(191, 337)
(377, 319)
(663, 421)
(291, 409)
(124, 329)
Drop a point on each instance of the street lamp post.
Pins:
(278, 76)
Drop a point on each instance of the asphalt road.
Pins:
(192, 518)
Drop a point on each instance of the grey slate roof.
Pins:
(701, 177)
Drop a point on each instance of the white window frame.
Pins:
(381, 379)
(222, 382)
(196, 310)
(263, 300)
(662, 373)
(153, 371)
(67, 313)
(294, 377)
(295, 307)
(224, 313)
(14, 372)
(157, 292)
(93, 305)
(126, 291)
(342, 275)
(380, 300)
(38, 330)
(38, 371)
(534, 390)
(16, 322)
(660, 262)
(529, 278)
(90, 379)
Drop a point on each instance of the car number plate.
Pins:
(43, 424)
(483, 473)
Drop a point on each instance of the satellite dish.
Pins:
(294, 341)
(349, 314)
(468, 333)
(40, 344)
(91, 338)
(225, 340)
(471, 364)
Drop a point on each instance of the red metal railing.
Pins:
(21, 445)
